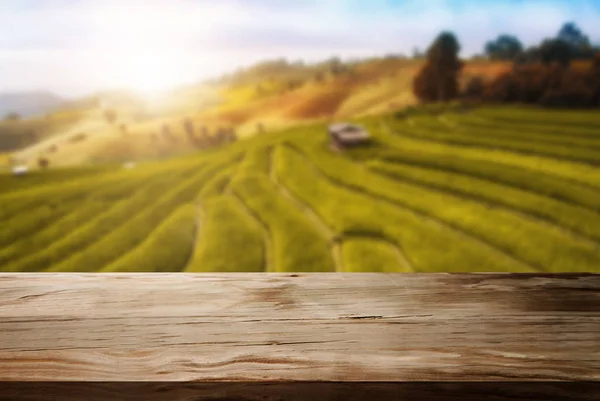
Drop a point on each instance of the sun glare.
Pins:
(146, 50)
(149, 72)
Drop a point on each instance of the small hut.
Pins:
(20, 170)
(344, 135)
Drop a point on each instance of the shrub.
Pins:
(111, 116)
(579, 97)
(474, 87)
(204, 131)
(551, 85)
(78, 138)
(43, 163)
(188, 126)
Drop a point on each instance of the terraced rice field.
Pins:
(489, 190)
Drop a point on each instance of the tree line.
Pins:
(543, 74)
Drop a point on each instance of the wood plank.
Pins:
(299, 327)
(300, 391)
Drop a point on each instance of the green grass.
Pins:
(51, 212)
(29, 198)
(437, 132)
(540, 246)
(68, 243)
(544, 132)
(575, 218)
(230, 240)
(257, 160)
(371, 256)
(167, 249)
(500, 189)
(217, 185)
(356, 214)
(578, 172)
(25, 201)
(137, 228)
(568, 119)
(528, 180)
(297, 245)
(10, 183)
(516, 135)
(46, 237)
(28, 223)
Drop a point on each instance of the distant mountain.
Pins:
(29, 103)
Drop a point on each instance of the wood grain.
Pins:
(302, 327)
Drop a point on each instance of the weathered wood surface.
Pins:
(300, 391)
(324, 327)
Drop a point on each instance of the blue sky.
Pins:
(74, 47)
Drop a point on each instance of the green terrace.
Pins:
(496, 189)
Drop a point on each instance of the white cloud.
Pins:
(73, 46)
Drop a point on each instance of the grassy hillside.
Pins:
(492, 189)
(19, 134)
(277, 95)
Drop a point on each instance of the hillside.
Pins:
(28, 104)
(276, 95)
(491, 189)
(325, 91)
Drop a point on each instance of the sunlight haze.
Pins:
(73, 47)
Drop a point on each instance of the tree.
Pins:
(438, 79)
(555, 51)
(335, 66)
(595, 75)
(204, 132)
(475, 87)
(294, 84)
(504, 47)
(529, 56)
(43, 162)
(578, 42)
(260, 128)
(110, 115)
(166, 130)
(188, 126)
(417, 54)
(12, 117)
(232, 135)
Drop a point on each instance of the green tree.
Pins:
(555, 51)
(504, 47)
(579, 43)
(438, 79)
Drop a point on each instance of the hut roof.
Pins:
(348, 133)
